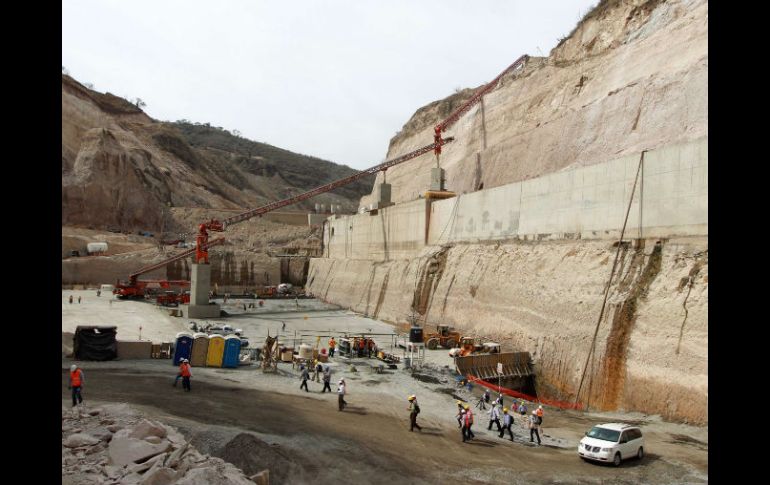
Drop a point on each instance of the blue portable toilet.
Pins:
(182, 347)
(232, 351)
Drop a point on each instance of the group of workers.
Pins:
(465, 418)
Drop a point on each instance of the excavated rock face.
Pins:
(632, 76)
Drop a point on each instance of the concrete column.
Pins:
(200, 285)
(437, 179)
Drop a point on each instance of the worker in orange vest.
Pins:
(76, 384)
(332, 346)
(184, 369)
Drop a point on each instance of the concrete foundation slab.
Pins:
(201, 311)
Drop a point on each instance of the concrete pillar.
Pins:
(200, 286)
(381, 196)
(437, 179)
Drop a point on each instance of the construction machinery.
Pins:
(476, 98)
(444, 336)
(142, 288)
(134, 287)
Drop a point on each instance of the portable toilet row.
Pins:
(208, 350)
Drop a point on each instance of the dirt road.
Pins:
(306, 439)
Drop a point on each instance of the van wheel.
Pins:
(616, 461)
(640, 453)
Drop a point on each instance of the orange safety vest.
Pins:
(185, 370)
(539, 412)
(75, 378)
(332, 343)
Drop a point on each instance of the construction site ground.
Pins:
(303, 438)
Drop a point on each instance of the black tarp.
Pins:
(95, 343)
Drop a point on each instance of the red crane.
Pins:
(135, 288)
(452, 118)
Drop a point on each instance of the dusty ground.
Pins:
(309, 440)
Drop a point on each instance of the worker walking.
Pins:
(467, 423)
(414, 410)
(534, 428)
(327, 379)
(76, 381)
(179, 374)
(78, 300)
(305, 376)
(539, 412)
(332, 346)
(318, 370)
(507, 422)
(70, 299)
(494, 417)
(522, 408)
(460, 412)
(341, 390)
(186, 374)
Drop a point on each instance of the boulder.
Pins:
(95, 449)
(94, 412)
(114, 428)
(101, 433)
(176, 456)
(153, 439)
(261, 478)
(159, 476)
(147, 428)
(210, 476)
(80, 439)
(125, 450)
(145, 465)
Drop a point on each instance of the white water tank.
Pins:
(305, 351)
(96, 247)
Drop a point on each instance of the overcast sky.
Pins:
(332, 79)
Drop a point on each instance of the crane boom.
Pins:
(327, 187)
(179, 256)
(452, 118)
(203, 243)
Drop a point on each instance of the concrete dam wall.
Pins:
(527, 264)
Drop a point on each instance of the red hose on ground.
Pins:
(521, 395)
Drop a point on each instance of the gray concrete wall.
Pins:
(670, 199)
(395, 232)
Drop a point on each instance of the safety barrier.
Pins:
(527, 397)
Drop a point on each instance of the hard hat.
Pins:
(534, 412)
(540, 407)
(505, 410)
(460, 403)
(73, 367)
(412, 397)
(466, 407)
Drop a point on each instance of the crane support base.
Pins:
(439, 194)
(201, 311)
